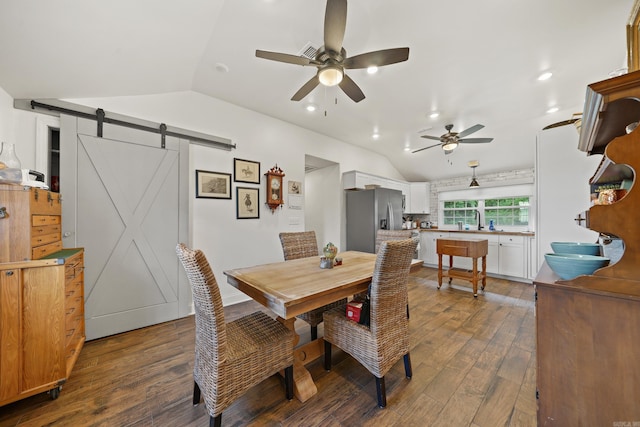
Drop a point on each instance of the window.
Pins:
(504, 211)
(460, 211)
(509, 211)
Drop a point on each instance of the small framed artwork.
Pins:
(213, 185)
(295, 187)
(246, 171)
(247, 203)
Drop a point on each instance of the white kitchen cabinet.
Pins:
(358, 180)
(508, 255)
(511, 260)
(420, 198)
(428, 245)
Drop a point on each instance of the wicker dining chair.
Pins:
(380, 345)
(230, 358)
(384, 235)
(303, 244)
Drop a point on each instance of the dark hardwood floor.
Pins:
(473, 365)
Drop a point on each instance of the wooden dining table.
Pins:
(290, 288)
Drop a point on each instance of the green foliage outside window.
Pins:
(507, 211)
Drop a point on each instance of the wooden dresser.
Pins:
(588, 328)
(42, 326)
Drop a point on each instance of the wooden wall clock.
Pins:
(274, 188)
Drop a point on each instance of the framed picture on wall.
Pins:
(213, 185)
(247, 203)
(246, 171)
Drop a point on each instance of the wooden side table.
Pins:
(475, 249)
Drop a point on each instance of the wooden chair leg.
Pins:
(215, 421)
(314, 333)
(196, 393)
(327, 356)
(381, 391)
(407, 311)
(407, 366)
(288, 381)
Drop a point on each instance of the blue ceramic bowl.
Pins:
(576, 248)
(568, 266)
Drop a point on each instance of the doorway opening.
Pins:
(323, 200)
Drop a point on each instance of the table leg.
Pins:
(474, 279)
(484, 272)
(450, 267)
(303, 386)
(439, 270)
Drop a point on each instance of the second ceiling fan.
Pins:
(450, 140)
(331, 59)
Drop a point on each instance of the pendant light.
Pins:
(473, 164)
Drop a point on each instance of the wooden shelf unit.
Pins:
(42, 325)
(588, 328)
(33, 222)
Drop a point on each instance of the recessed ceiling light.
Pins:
(375, 135)
(310, 107)
(553, 110)
(372, 70)
(545, 76)
(407, 148)
(434, 114)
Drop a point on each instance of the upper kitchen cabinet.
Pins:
(356, 180)
(420, 198)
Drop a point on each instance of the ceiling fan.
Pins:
(576, 120)
(331, 59)
(450, 140)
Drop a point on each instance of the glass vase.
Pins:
(8, 156)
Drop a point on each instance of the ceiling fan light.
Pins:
(330, 75)
(449, 146)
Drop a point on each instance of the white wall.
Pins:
(562, 183)
(227, 242)
(323, 205)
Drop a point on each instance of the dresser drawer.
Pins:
(41, 230)
(44, 239)
(38, 220)
(44, 250)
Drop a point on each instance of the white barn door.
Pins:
(125, 202)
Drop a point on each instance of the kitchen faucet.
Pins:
(478, 215)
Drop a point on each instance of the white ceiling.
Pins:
(474, 61)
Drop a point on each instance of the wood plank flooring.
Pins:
(473, 365)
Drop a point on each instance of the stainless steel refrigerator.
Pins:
(369, 211)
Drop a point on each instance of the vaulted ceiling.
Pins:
(472, 61)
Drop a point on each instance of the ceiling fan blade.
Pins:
(474, 140)
(285, 57)
(469, 131)
(425, 148)
(335, 22)
(437, 138)
(351, 89)
(306, 88)
(562, 123)
(377, 58)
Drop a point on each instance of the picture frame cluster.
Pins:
(217, 185)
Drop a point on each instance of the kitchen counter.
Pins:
(503, 233)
